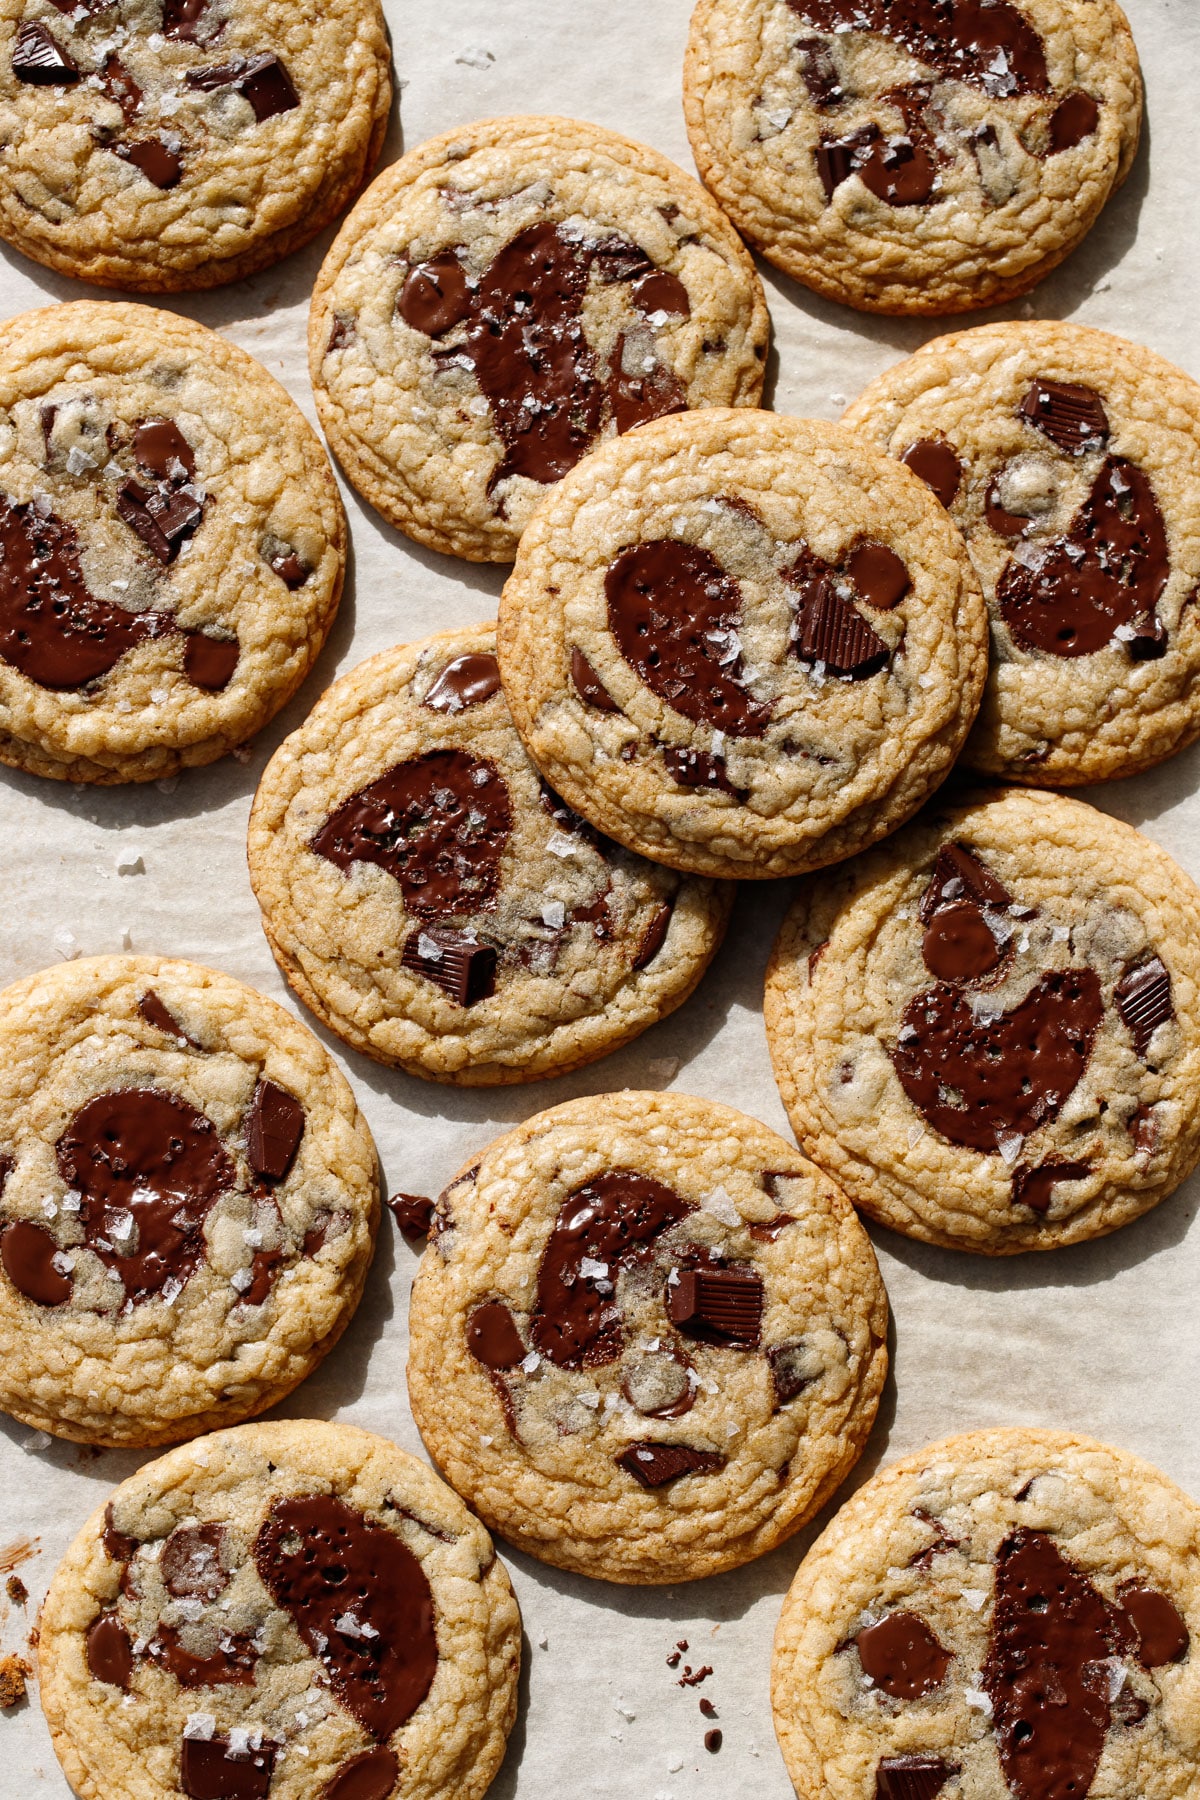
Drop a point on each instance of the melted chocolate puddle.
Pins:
(985, 43)
(527, 346)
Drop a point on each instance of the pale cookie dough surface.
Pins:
(988, 1030)
(783, 646)
(907, 160)
(440, 909)
(504, 296)
(188, 1205)
(162, 485)
(365, 1637)
(648, 1339)
(1007, 1615)
(171, 144)
(1083, 522)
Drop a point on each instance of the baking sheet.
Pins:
(1103, 1338)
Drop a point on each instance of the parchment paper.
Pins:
(1103, 1338)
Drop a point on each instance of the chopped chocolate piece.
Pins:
(464, 969)
(109, 1651)
(588, 685)
(161, 448)
(342, 332)
(700, 769)
(912, 1777)
(902, 170)
(1143, 1128)
(1035, 1187)
(274, 1127)
(183, 19)
(162, 1019)
(839, 158)
(654, 1465)
(707, 1708)
(712, 1741)
(1143, 1000)
(209, 662)
(832, 632)
(879, 575)
(467, 681)
(690, 1679)
(958, 944)
(161, 518)
(820, 73)
(261, 80)
(723, 1306)
(794, 1366)
(1159, 1633)
(413, 1213)
(1002, 522)
(120, 87)
(958, 871)
(654, 936)
(436, 295)
(902, 1656)
(190, 1562)
(1074, 118)
(372, 1775)
(989, 44)
(1071, 417)
(1148, 639)
(40, 60)
(937, 463)
(291, 571)
(117, 1547)
(493, 1338)
(31, 1259)
(660, 292)
(209, 1769)
(154, 160)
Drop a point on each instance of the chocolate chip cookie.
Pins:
(1003, 1616)
(504, 297)
(738, 644)
(172, 544)
(988, 1030)
(188, 1201)
(166, 144)
(437, 905)
(1070, 461)
(913, 156)
(648, 1338)
(289, 1609)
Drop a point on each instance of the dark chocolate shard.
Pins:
(830, 631)
(721, 1306)
(464, 969)
(958, 944)
(261, 80)
(120, 87)
(654, 936)
(1071, 417)
(413, 1213)
(209, 662)
(588, 685)
(274, 1127)
(1148, 639)
(192, 1562)
(958, 873)
(938, 465)
(902, 1656)
(912, 1777)
(155, 160)
(1074, 118)
(184, 19)
(161, 449)
(39, 60)
(1143, 1000)
(879, 575)
(290, 569)
(161, 518)
(839, 158)
(820, 73)
(493, 1338)
(654, 1465)
(210, 1769)
(1034, 1188)
(109, 1651)
(792, 1369)
(160, 1016)
(700, 769)
(342, 332)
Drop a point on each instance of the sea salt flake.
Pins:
(200, 1725)
(978, 1701)
(554, 914)
(559, 844)
(722, 1207)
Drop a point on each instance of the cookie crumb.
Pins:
(14, 1674)
(16, 1590)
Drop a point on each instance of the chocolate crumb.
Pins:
(413, 1213)
(687, 1679)
(707, 1708)
(712, 1741)
(673, 1660)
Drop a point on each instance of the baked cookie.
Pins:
(167, 144)
(989, 1029)
(508, 294)
(188, 1201)
(296, 1610)
(172, 544)
(913, 156)
(1070, 461)
(648, 1338)
(1003, 1616)
(738, 644)
(437, 906)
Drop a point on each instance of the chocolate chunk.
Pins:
(654, 1465)
(660, 292)
(675, 613)
(210, 662)
(980, 1080)
(154, 159)
(262, 80)
(109, 1651)
(1158, 1631)
(636, 398)
(436, 295)
(27, 1252)
(901, 171)
(162, 1019)
(618, 259)
(902, 1656)
(161, 448)
(912, 1777)
(291, 571)
(700, 769)
(149, 1168)
(820, 73)
(464, 969)
(958, 872)
(830, 631)
(117, 1547)
(1147, 640)
(792, 1369)
(413, 1213)
(371, 1776)
(467, 681)
(210, 1770)
(1002, 522)
(184, 18)
(879, 575)
(40, 60)
(654, 936)
(1071, 417)
(988, 44)
(958, 944)
(7, 1165)
(493, 1338)
(120, 87)
(1046, 1672)
(713, 1741)
(1143, 1128)
(232, 1664)
(438, 824)
(1035, 1187)
(610, 1223)
(359, 1599)
(342, 332)
(162, 519)
(190, 1562)
(839, 158)
(717, 1306)
(588, 685)
(274, 1127)
(937, 463)
(1143, 1001)
(1074, 118)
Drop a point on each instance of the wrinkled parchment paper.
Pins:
(1104, 1338)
